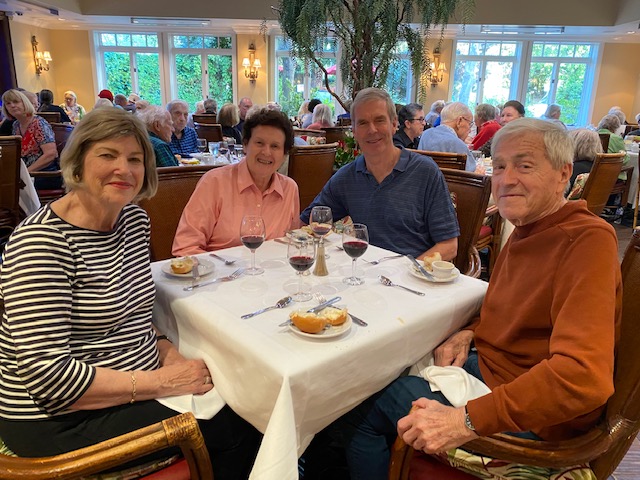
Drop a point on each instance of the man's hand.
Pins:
(454, 350)
(433, 427)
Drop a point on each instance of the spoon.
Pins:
(386, 281)
(226, 262)
(283, 302)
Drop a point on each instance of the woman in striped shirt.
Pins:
(80, 360)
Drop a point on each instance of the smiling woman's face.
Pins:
(265, 151)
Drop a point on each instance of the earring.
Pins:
(76, 177)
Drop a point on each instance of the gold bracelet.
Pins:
(133, 387)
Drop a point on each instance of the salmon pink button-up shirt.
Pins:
(211, 220)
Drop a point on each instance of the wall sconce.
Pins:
(40, 59)
(251, 64)
(436, 69)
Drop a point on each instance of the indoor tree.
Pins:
(368, 32)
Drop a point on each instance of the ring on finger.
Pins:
(207, 380)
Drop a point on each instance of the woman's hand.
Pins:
(187, 377)
(455, 350)
(49, 154)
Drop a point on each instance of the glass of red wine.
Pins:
(355, 240)
(301, 255)
(321, 221)
(252, 234)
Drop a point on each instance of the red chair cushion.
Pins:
(426, 467)
(176, 471)
(485, 231)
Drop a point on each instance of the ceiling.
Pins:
(610, 21)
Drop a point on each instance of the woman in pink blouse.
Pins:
(211, 220)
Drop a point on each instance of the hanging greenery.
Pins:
(368, 31)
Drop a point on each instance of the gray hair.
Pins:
(174, 103)
(210, 105)
(322, 114)
(609, 122)
(451, 112)
(486, 112)
(558, 145)
(14, 95)
(100, 125)
(587, 143)
(617, 111)
(438, 104)
(408, 112)
(552, 110)
(228, 115)
(370, 94)
(153, 114)
(103, 102)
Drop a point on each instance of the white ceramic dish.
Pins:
(206, 267)
(330, 332)
(414, 271)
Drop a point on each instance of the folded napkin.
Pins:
(204, 407)
(454, 382)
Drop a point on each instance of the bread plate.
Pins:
(414, 271)
(328, 332)
(206, 267)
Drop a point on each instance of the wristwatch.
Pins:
(467, 420)
(162, 337)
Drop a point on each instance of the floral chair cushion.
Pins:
(578, 187)
(491, 468)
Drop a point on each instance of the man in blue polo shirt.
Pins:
(400, 195)
(184, 140)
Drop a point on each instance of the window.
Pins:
(130, 63)
(400, 77)
(202, 66)
(560, 73)
(296, 81)
(485, 71)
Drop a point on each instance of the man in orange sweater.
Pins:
(546, 333)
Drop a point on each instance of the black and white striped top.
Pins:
(75, 299)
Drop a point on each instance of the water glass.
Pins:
(301, 255)
(214, 149)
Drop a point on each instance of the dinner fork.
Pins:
(376, 262)
(228, 278)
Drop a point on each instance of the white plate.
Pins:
(327, 332)
(207, 159)
(416, 273)
(206, 267)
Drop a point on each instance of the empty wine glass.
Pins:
(301, 255)
(202, 145)
(321, 221)
(252, 234)
(355, 240)
(214, 148)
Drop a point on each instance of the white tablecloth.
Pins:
(633, 188)
(28, 198)
(291, 387)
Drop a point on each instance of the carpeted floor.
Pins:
(629, 468)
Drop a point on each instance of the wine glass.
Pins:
(320, 221)
(214, 147)
(301, 255)
(355, 240)
(252, 234)
(202, 145)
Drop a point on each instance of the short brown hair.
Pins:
(105, 124)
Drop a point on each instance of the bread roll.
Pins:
(428, 260)
(334, 316)
(308, 322)
(181, 265)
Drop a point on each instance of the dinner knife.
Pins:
(317, 308)
(358, 320)
(195, 272)
(420, 267)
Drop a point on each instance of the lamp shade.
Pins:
(246, 63)
(47, 56)
(256, 63)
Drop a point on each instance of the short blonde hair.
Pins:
(14, 95)
(228, 116)
(100, 125)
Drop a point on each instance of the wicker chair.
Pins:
(605, 445)
(175, 186)
(181, 430)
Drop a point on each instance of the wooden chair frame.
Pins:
(181, 431)
(604, 172)
(205, 118)
(210, 132)
(10, 180)
(336, 134)
(51, 117)
(311, 167)
(605, 445)
(455, 161)
(62, 132)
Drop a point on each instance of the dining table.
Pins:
(287, 384)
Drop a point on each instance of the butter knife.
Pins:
(423, 271)
(316, 309)
(195, 272)
(357, 320)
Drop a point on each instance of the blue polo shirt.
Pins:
(186, 145)
(409, 212)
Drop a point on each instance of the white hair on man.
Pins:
(454, 110)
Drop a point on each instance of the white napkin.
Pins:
(204, 407)
(454, 382)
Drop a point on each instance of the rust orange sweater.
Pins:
(548, 325)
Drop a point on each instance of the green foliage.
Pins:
(149, 77)
(220, 78)
(368, 31)
(118, 70)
